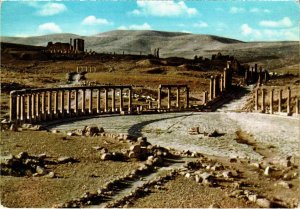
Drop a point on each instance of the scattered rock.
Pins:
(283, 184)
(106, 156)
(263, 203)
(40, 170)
(214, 205)
(267, 171)
(71, 133)
(22, 155)
(51, 174)
(252, 198)
(66, 160)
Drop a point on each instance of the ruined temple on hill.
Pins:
(66, 48)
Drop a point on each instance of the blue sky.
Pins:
(243, 20)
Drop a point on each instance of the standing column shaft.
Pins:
(113, 100)
(121, 99)
(169, 97)
(129, 100)
(29, 107)
(271, 100)
(263, 100)
(106, 100)
(91, 102)
(62, 103)
(76, 102)
(13, 107)
(83, 101)
(297, 105)
(49, 103)
(69, 101)
(18, 107)
(187, 98)
(55, 103)
(22, 98)
(289, 101)
(159, 98)
(225, 78)
(178, 98)
(98, 100)
(214, 87)
(33, 105)
(38, 107)
(211, 88)
(43, 104)
(279, 100)
(221, 83)
(256, 99)
(204, 97)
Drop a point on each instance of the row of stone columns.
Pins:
(44, 104)
(271, 101)
(169, 88)
(252, 75)
(217, 85)
(86, 69)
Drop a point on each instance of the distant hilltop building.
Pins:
(66, 48)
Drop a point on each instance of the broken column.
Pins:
(271, 100)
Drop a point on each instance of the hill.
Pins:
(271, 54)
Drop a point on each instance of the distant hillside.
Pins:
(272, 54)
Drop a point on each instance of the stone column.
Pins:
(113, 100)
(228, 64)
(98, 101)
(288, 105)
(12, 105)
(169, 98)
(225, 79)
(33, 105)
(279, 100)
(38, 108)
(204, 97)
(129, 100)
(297, 105)
(256, 99)
(69, 102)
(187, 97)
(211, 87)
(263, 100)
(91, 102)
(271, 100)
(49, 104)
(121, 99)
(62, 103)
(214, 87)
(106, 100)
(83, 102)
(246, 77)
(221, 84)
(76, 102)
(43, 106)
(178, 98)
(159, 98)
(18, 107)
(55, 103)
(29, 108)
(22, 106)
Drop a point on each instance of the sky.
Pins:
(242, 20)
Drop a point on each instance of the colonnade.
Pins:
(253, 75)
(54, 103)
(178, 99)
(288, 107)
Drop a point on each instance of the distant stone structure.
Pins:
(66, 48)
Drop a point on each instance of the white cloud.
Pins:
(284, 22)
(257, 10)
(235, 10)
(49, 27)
(248, 31)
(144, 26)
(163, 8)
(92, 20)
(270, 34)
(51, 9)
(200, 24)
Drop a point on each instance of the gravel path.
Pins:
(171, 130)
